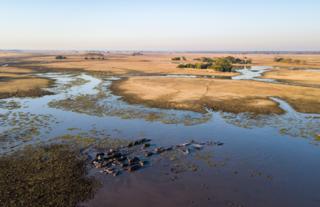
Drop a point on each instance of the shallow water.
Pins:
(253, 73)
(265, 160)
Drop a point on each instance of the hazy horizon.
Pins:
(202, 25)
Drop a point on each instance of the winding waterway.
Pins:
(266, 160)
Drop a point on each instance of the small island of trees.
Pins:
(288, 60)
(60, 57)
(224, 64)
(179, 58)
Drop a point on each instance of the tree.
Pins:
(222, 64)
(60, 57)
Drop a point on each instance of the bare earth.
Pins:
(227, 95)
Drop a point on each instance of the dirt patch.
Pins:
(226, 95)
(44, 176)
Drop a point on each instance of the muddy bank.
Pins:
(44, 176)
(200, 94)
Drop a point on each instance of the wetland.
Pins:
(211, 145)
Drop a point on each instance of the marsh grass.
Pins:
(44, 176)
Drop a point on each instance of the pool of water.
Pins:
(267, 160)
(253, 73)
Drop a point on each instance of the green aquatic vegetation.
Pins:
(111, 143)
(73, 129)
(87, 139)
(206, 157)
(44, 176)
(103, 104)
(295, 126)
(10, 105)
(80, 104)
(22, 127)
(75, 82)
(93, 105)
(77, 140)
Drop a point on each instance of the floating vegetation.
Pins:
(97, 105)
(75, 82)
(296, 125)
(89, 139)
(44, 176)
(10, 105)
(22, 127)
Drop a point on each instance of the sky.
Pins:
(169, 25)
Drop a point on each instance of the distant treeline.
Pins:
(231, 59)
(94, 58)
(179, 58)
(289, 60)
(252, 52)
(220, 64)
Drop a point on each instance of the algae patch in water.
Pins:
(44, 176)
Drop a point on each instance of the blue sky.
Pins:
(160, 24)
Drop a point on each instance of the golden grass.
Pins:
(26, 84)
(14, 70)
(301, 77)
(15, 81)
(226, 95)
(120, 64)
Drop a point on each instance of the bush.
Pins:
(288, 60)
(219, 64)
(60, 57)
(223, 65)
(176, 59)
(234, 60)
(207, 59)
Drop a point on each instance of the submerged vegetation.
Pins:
(44, 176)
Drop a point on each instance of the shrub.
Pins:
(60, 57)
(207, 59)
(176, 59)
(222, 64)
(288, 60)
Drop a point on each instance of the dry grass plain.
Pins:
(227, 95)
(20, 82)
(309, 78)
(191, 94)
